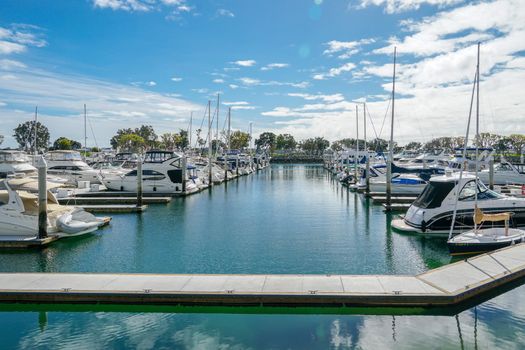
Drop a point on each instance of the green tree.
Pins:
(266, 139)
(64, 143)
(25, 136)
(1, 139)
(181, 139)
(486, 139)
(379, 145)
(120, 132)
(148, 134)
(314, 146)
(285, 142)
(517, 142)
(239, 140)
(132, 143)
(166, 141)
(217, 145)
(413, 145)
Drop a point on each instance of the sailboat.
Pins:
(480, 239)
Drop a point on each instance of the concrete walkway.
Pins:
(445, 286)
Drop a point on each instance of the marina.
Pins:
(179, 174)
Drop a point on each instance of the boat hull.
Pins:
(478, 248)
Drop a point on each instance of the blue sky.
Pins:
(287, 66)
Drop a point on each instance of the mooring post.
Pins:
(491, 173)
(237, 165)
(42, 198)
(139, 182)
(184, 169)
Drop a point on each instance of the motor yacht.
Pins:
(14, 162)
(161, 173)
(432, 211)
(69, 165)
(19, 215)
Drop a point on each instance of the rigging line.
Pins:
(384, 119)
(202, 124)
(464, 154)
(372, 122)
(92, 132)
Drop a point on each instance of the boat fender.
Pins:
(423, 226)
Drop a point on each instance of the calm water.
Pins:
(286, 219)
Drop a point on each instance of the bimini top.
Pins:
(159, 156)
(8, 156)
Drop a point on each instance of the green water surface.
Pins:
(285, 219)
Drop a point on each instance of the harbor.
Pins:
(179, 174)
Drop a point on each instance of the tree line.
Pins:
(145, 138)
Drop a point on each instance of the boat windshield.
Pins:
(469, 190)
(433, 194)
(9, 157)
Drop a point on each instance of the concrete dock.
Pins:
(113, 208)
(446, 286)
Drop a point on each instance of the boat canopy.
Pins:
(159, 156)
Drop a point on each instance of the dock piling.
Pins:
(42, 198)
(139, 182)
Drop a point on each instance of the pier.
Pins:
(445, 286)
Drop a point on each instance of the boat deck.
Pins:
(445, 286)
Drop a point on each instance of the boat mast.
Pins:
(454, 213)
(477, 144)
(209, 144)
(391, 143)
(189, 133)
(226, 164)
(356, 156)
(366, 151)
(85, 129)
(217, 131)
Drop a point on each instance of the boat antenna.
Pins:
(464, 153)
(85, 128)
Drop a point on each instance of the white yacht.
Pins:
(14, 162)
(161, 173)
(432, 211)
(19, 215)
(504, 174)
(69, 165)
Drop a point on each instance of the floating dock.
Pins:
(446, 286)
(113, 208)
(112, 200)
(26, 242)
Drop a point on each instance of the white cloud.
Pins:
(245, 63)
(126, 5)
(233, 86)
(274, 66)
(218, 81)
(396, 6)
(345, 49)
(249, 81)
(224, 13)
(18, 37)
(175, 7)
(60, 98)
(176, 79)
(144, 83)
(256, 82)
(326, 98)
(333, 72)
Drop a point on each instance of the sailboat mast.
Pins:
(209, 144)
(217, 123)
(391, 143)
(35, 150)
(85, 128)
(356, 156)
(367, 170)
(477, 142)
(190, 131)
